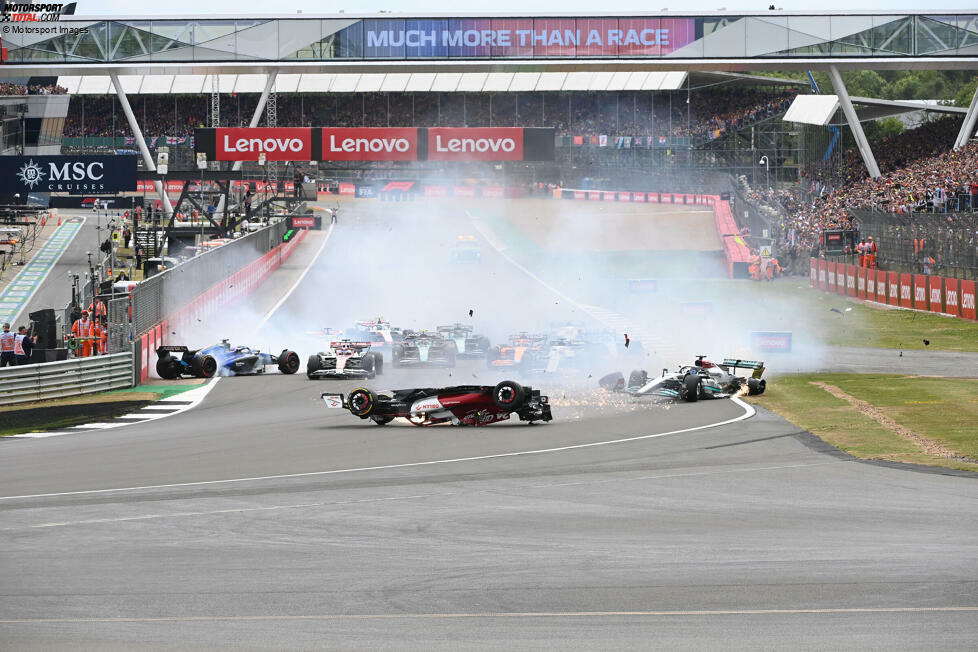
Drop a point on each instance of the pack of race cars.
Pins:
(362, 351)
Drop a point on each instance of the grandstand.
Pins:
(663, 113)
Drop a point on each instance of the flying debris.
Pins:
(926, 342)
(471, 312)
(627, 340)
(837, 310)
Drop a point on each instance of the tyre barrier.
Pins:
(920, 292)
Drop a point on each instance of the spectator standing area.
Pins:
(17, 295)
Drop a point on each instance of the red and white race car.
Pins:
(462, 405)
(345, 359)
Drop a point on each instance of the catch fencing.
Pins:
(165, 294)
(908, 240)
(922, 292)
(198, 304)
(64, 379)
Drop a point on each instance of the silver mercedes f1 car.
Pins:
(701, 380)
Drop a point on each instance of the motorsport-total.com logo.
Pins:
(18, 12)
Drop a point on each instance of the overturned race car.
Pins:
(220, 359)
(462, 405)
(345, 359)
(703, 379)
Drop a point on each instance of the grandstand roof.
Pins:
(493, 43)
(498, 82)
(825, 109)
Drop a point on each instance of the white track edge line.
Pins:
(196, 400)
(298, 281)
(54, 264)
(749, 412)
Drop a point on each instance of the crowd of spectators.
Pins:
(921, 173)
(707, 115)
(33, 89)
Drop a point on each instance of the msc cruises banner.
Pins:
(376, 144)
(89, 175)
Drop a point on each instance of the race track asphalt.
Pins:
(260, 520)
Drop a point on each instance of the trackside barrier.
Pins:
(920, 292)
(50, 380)
(221, 294)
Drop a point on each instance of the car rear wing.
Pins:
(735, 363)
(355, 345)
(454, 327)
(170, 348)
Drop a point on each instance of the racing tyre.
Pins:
(492, 355)
(691, 389)
(369, 364)
(450, 357)
(378, 363)
(312, 365)
(167, 368)
(508, 395)
(382, 421)
(396, 356)
(528, 362)
(756, 386)
(362, 402)
(204, 366)
(288, 362)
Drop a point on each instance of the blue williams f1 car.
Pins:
(220, 360)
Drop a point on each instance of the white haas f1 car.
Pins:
(345, 359)
(703, 379)
(462, 405)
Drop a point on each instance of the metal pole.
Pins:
(255, 119)
(140, 142)
(853, 120)
(968, 125)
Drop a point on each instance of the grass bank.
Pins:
(924, 420)
(68, 412)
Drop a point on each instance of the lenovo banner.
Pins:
(246, 144)
(375, 144)
(968, 299)
(936, 295)
(861, 282)
(489, 144)
(370, 144)
(951, 297)
(906, 290)
(78, 175)
(919, 292)
(880, 286)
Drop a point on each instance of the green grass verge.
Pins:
(942, 409)
(867, 325)
(68, 412)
